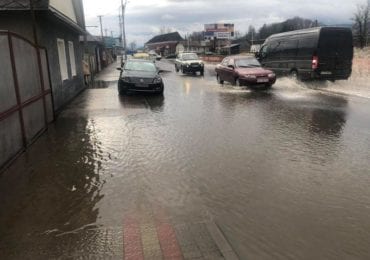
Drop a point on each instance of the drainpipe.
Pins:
(34, 27)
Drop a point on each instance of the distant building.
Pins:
(94, 48)
(166, 44)
(200, 47)
(256, 46)
(59, 23)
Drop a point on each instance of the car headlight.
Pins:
(126, 79)
(157, 80)
(271, 75)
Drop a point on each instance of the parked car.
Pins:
(318, 53)
(140, 76)
(141, 55)
(188, 62)
(244, 71)
(154, 56)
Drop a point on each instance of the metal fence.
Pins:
(26, 104)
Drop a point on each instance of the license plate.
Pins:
(262, 80)
(141, 85)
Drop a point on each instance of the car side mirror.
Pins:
(119, 68)
(231, 66)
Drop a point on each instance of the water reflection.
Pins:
(322, 113)
(100, 84)
(51, 191)
(153, 102)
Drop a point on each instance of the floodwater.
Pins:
(284, 173)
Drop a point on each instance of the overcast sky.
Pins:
(144, 18)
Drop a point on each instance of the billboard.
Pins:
(219, 31)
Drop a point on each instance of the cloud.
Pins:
(167, 17)
(143, 20)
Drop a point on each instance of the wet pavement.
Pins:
(202, 172)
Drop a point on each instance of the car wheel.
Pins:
(294, 75)
(219, 80)
(266, 87)
(202, 72)
(160, 92)
(176, 68)
(182, 70)
(122, 92)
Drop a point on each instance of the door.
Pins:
(336, 52)
(229, 71)
(221, 71)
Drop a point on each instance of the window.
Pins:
(72, 58)
(140, 66)
(62, 59)
(273, 49)
(190, 56)
(225, 62)
(288, 48)
(307, 46)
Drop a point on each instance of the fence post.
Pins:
(17, 92)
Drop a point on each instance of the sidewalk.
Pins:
(109, 73)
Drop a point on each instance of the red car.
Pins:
(244, 71)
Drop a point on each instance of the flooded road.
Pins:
(284, 174)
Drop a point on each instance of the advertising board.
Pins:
(219, 31)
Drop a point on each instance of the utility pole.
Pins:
(123, 6)
(120, 21)
(101, 26)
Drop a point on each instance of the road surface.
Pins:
(203, 172)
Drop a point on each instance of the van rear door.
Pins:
(335, 53)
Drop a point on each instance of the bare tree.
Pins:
(237, 34)
(252, 34)
(165, 29)
(361, 26)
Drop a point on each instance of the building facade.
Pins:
(58, 25)
(165, 44)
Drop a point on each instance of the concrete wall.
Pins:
(49, 29)
(63, 91)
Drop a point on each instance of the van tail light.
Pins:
(315, 62)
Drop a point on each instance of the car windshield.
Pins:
(140, 66)
(190, 56)
(247, 63)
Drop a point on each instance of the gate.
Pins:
(26, 104)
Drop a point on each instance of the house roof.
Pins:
(91, 38)
(77, 23)
(169, 37)
(231, 46)
(23, 4)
